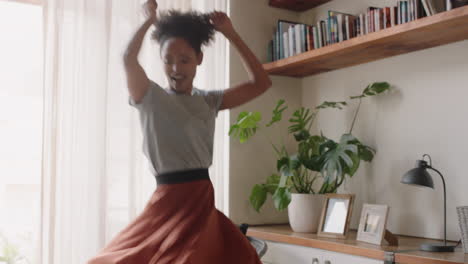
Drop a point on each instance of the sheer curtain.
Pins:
(95, 178)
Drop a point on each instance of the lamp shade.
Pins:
(418, 176)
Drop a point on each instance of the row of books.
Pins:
(291, 38)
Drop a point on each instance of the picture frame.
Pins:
(336, 215)
(373, 223)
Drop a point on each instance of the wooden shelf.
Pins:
(296, 5)
(406, 253)
(427, 32)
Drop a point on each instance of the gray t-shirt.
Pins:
(178, 130)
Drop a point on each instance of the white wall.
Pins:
(426, 113)
(254, 161)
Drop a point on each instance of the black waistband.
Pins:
(182, 176)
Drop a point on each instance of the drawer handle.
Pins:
(327, 262)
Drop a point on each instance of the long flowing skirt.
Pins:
(179, 225)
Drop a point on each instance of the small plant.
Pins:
(9, 253)
(317, 156)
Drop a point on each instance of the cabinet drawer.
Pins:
(280, 253)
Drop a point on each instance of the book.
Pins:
(393, 13)
(431, 6)
(286, 44)
(438, 5)
(319, 34)
(291, 41)
(297, 36)
(282, 26)
(314, 35)
(426, 7)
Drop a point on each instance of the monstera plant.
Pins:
(318, 157)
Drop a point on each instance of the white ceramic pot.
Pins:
(304, 212)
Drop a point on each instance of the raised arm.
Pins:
(259, 80)
(137, 80)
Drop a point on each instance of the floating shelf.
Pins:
(297, 5)
(427, 32)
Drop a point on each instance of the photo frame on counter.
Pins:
(373, 223)
(336, 215)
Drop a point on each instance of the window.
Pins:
(21, 99)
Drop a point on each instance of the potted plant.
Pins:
(319, 160)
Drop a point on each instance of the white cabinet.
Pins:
(280, 253)
(339, 258)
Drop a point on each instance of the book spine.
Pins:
(311, 37)
(405, 11)
(419, 12)
(362, 24)
(339, 28)
(426, 7)
(347, 28)
(319, 34)
(399, 12)
(384, 24)
(326, 33)
(372, 20)
(285, 45)
(291, 40)
(304, 38)
(280, 42)
(274, 46)
(314, 29)
(297, 33)
(410, 10)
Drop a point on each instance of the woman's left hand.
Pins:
(222, 23)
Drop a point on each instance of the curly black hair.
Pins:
(194, 27)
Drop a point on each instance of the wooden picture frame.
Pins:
(336, 215)
(373, 223)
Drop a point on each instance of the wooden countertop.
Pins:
(406, 253)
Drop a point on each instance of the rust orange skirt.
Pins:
(180, 225)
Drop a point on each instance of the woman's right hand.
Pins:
(149, 8)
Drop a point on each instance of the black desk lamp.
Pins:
(420, 177)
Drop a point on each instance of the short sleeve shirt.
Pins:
(178, 130)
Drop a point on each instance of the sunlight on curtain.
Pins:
(21, 100)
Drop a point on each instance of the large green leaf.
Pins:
(301, 118)
(302, 135)
(258, 196)
(366, 153)
(277, 113)
(327, 104)
(281, 198)
(373, 89)
(272, 183)
(356, 162)
(246, 125)
(309, 153)
(334, 154)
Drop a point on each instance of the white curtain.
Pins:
(95, 178)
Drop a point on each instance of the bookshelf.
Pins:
(296, 5)
(440, 29)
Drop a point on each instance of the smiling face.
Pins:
(180, 64)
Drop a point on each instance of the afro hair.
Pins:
(192, 26)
